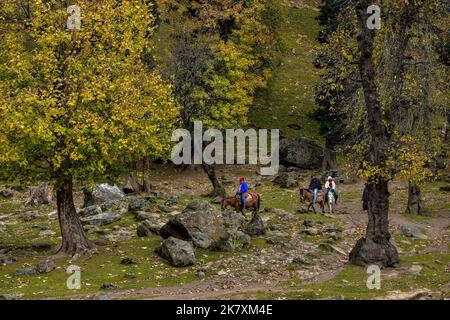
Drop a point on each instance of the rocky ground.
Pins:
(288, 254)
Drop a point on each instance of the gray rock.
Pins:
(101, 296)
(147, 229)
(30, 215)
(114, 205)
(243, 238)
(142, 215)
(178, 252)
(166, 209)
(301, 152)
(311, 231)
(11, 296)
(141, 204)
(411, 231)
(286, 180)
(25, 271)
(198, 223)
(102, 219)
(274, 240)
(90, 211)
(106, 192)
(202, 240)
(256, 227)
(6, 259)
(173, 200)
(301, 261)
(45, 266)
(223, 244)
(309, 223)
(109, 286)
(331, 228)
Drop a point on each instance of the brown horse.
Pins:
(308, 194)
(254, 204)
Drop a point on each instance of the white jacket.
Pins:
(327, 185)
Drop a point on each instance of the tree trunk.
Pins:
(132, 184)
(414, 199)
(375, 247)
(146, 186)
(218, 190)
(74, 240)
(88, 198)
(329, 158)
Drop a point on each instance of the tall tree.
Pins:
(219, 56)
(375, 247)
(76, 104)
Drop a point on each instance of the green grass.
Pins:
(289, 96)
(351, 281)
(150, 270)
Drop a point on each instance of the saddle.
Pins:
(248, 197)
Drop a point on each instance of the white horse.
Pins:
(330, 201)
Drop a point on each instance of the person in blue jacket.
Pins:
(242, 192)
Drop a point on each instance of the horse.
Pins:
(254, 204)
(308, 194)
(330, 201)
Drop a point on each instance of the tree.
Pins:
(219, 56)
(386, 90)
(375, 247)
(336, 87)
(76, 104)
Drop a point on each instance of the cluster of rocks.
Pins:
(44, 266)
(200, 225)
(105, 214)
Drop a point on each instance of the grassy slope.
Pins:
(290, 93)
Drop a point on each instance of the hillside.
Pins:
(289, 98)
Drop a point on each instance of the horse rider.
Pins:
(315, 186)
(243, 191)
(330, 185)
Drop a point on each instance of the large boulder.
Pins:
(300, 152)
(256, 227)
(202, 225)
(197, 223)
(178, 252)
(106, 192)
(286, 179)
